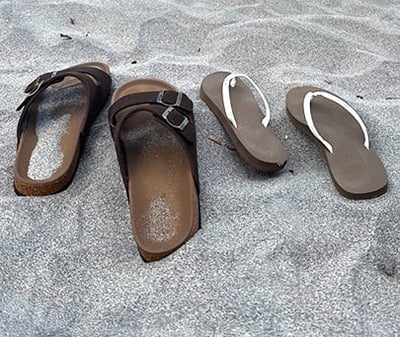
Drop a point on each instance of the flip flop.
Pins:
(341, 135)
(154, 133)
(79, 114)
(236, 108)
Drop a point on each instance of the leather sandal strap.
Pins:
(35, 88)
(174, 116)
(166, 98)
(174, 113)
(97, 92)
(103, 79)
(43, 85)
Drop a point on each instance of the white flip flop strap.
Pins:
(310, 123)
(230, 80)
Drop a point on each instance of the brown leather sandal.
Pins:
(236, 108)
(95, 80)
(153, 129)
(342, 137)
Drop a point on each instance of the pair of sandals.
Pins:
(154, 133)
(329, 121)
(153, 129)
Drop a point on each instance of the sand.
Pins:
(277, 255)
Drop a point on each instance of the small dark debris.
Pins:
(388, 269)
(87, 34)
(134, 62)
(291, 171)
(72, 21)
(198, 50)
(66, 37)
(392, 98)
(216, 140)
(230, 147)
(328, 82)
(360, 97)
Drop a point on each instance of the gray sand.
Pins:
(160, 220)
(52, 121)
(47, 156)
(277, 255)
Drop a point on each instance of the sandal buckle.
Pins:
(181, 126)
(178, 100)
(35, 86)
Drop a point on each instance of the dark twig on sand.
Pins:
(360, 97)
(392, 98)
(389, 269)
(218, 141)
(72, 21)
(134, 62)
(65, 37)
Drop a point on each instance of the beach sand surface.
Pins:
(278, 254)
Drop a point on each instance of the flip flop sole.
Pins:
(357, 172)
(257, 145)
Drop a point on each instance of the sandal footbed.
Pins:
(162, 192)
